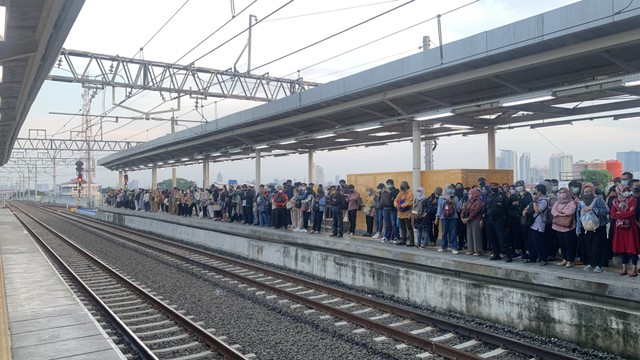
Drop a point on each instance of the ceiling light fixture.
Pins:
(634, 81)
(532, 98)
(433, 115)
(325, 136)
(262, 147)
(369, 128)
(288, 142)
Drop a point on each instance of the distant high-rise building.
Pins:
(318, 171)
(219, 177)
(561, 167)
(507, 160)
(524, 168)
(630, 160)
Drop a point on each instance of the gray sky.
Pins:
(122, 27)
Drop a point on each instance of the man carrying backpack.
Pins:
(493, 220)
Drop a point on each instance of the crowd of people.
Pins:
(582, 223)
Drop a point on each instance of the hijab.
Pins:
(474, 194)
(567, 197)
(420, 193)
(588, 199)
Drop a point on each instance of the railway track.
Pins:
(152, 329)
(388, 322)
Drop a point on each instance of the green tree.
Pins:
(180, 184)
(602, 176)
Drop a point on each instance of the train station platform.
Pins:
(595, 310)
(40, 317)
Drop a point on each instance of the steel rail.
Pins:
(213, 342)
(494, 339)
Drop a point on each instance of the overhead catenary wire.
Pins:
(382, 38)
(333, 35)
(161, 27)
(332, 10)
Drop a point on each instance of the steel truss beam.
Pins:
(30, 161)
(129, 73)
(72, 145)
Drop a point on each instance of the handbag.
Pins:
(563, 220)
(304, 207)
(623, 223)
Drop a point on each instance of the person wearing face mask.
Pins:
(404, 204)
(471, 214)
(462, 228)
(493, 221)
(369, 211)
(574, 188)
(448, 207)
(591, 224)
(564, 215)
(378, 210)
(625, 178)
(387, 199)
(518, 199)
(625, 239)
(432, 210)
(279, 202)
(550, 237)
(420, 206)
(355, 202)
(336, 201)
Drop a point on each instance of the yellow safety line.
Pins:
(5, 337)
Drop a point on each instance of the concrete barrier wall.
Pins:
(582, 322)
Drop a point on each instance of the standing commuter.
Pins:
(404, 204)
(337, 202)
(379, 212)
(591, 224)
(448, 206)
(625, 239)
(280, 201)
(471, 215)
(564, 224)
(494, 217)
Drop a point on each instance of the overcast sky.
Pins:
(122, 27)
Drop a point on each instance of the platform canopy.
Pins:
(33, 34)
(575, 63)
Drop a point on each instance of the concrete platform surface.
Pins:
(45, 319)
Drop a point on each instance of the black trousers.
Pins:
(432, 231)
(338, 222)
(497, 236)
(352, 220)
(596, 246)
(406, 230)
(317, 220)
(281, 217)
(369, 220)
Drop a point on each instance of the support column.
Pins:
(491, 143)
(311, 166)
(154, 178)
(416, 156)
(174, 182)
(258, 169)
(173, 169)
(205, 173)
(120, 179)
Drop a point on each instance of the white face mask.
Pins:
(626, 193)
(519, 188)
